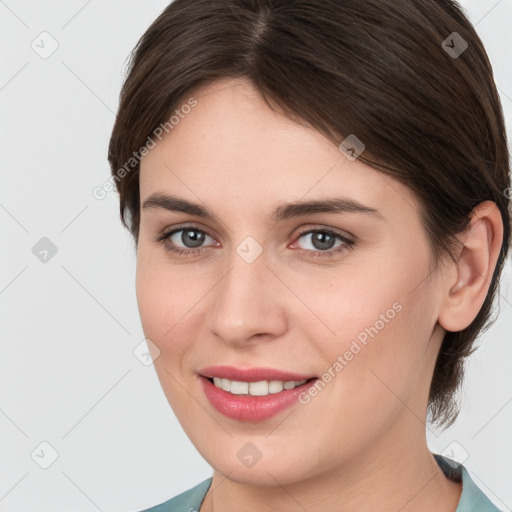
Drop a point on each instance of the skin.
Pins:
(360, 444)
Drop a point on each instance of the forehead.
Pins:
(232, 148)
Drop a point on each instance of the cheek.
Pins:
(381, 296)
(371, 330)
(164, 300)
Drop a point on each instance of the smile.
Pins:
(252, 394)
(260, 388)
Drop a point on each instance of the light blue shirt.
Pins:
(472, 498)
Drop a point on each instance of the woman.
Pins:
(318, 192)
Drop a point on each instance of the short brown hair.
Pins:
(379, 69)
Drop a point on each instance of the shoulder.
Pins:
(188, 501)
(472, 498)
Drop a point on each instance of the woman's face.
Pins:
(345, 296)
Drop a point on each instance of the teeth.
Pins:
(275, 386)
(226, 385)
(239, 388)
(260, 388)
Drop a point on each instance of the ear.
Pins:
(470, 278)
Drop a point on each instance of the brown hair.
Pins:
(384, 70)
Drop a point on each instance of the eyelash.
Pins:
(164, 240)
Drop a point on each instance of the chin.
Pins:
(262, 474)
(242, 462)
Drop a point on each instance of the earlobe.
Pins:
(474, 269)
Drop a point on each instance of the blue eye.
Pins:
(323, 241)
(192, 238)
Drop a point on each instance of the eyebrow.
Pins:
(284, 211)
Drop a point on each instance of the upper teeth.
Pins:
(260, 388)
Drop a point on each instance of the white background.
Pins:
(68, 327)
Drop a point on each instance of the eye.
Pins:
(322, 242)
(190, 240)
(185, 240)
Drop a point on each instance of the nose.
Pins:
(247, 304)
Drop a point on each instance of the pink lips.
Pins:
(251, 374)
(247, 407)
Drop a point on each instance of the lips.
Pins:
(252, 374)
(247, 407)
